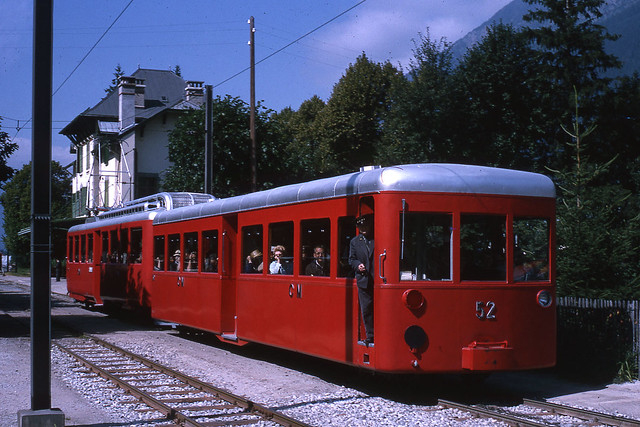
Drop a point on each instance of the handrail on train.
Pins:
(164, 201)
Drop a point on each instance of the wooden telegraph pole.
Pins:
(252, 114)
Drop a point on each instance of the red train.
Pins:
(464, 275)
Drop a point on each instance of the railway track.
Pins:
(179, 398)
(536, 413)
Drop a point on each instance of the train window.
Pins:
(174, 261)
(426, 253)
(136, 246)
(90, 248)
(346, 232)
(315, 239)
(114, 246)
(531, 249)
(123, 248)
(83, 248)
(158, 253)
(281, 247)
(70, 248)
(76, 249)
(210, 251)
(105, 247)
(482, 247)
(252, 249)
(191, 251)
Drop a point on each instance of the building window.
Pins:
(146, 184)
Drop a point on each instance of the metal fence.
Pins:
(628, 310)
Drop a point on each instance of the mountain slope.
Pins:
(619, 17)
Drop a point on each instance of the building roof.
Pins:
(163, 90)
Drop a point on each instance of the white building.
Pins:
(122, 142)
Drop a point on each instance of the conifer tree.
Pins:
(597, 227)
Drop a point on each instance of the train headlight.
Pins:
(390, 176)
(413, 299)
(544, 298)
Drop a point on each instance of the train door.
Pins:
(323, 302)
(363, 259)
(168, 301)
(281, 290)
(228, 309)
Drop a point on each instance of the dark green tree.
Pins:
(497, 106)
(618, 133)
(297, 132)
(571, 43)
(231, 155)
(570, 47)
(350, 127)
(417, 127)
(598, 227)
(16, 202)
(117, 73)
(7, 148)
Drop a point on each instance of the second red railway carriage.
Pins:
(463, 282)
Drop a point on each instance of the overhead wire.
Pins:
(82, 60)
(291, 43)
(216, 85)
(94, 46)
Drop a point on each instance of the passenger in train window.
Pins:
(280, 265)
(192, 262)
(158, 263)
(319, 266)
(361, 260)
(254, 262)
(175, 263)
(211, 263)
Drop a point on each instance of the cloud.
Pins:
(385, 30)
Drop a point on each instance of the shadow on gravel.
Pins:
(124, 424)
(500, 388)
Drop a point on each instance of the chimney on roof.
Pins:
(130, 97)
(126, 101)
(140, 86)
(194, 92)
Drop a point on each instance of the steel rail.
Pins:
(611, 420)
(486, 413)
(249, 406)
(167, 411)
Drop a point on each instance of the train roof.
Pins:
(428, 178)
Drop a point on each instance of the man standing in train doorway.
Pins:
(361, 260)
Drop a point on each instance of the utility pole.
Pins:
(252, 113)
(41, 412)
(208, 140)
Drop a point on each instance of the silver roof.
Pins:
(428, 178)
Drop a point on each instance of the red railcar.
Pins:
(463, 262)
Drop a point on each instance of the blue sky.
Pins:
(208, 39)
